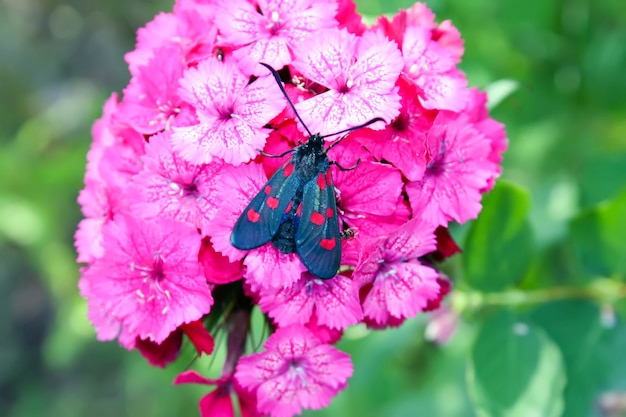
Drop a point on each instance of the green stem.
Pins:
(602, 290)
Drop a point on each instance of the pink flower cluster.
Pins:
(174, 163)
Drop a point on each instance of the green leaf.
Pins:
(499, 245)
(614, 234)
(586, 244)
(598, 239)
(592, 352)
(515, 370)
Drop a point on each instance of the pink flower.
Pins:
(199, 337)
(431, 64)
(457, 171)
(267, 30)
(295, 371)
(442, 324)
(97, 207)
(164, 353)
(149, 279)
(151, 100)
(218, 269)
(401, 286)
(445, 34)
(218, 403)
(231, 113)
(334, 302)
(267, 267)
(169, 187)
(348, 17)
(494, 131)
(324, 333)
(369, 196)
(401, 143)
(360, 74)
(433, 69)
(187, 29)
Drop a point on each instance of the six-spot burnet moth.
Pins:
(296, 209)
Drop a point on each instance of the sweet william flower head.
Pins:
(174, 165)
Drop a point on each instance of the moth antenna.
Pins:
(282, 89)
(350, 129)
(275, 156)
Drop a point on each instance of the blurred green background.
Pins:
(566, 121)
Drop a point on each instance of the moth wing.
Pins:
(317, 239)
(260, 220)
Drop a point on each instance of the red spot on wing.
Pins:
(288, 170)
(317, 218)
(268, 189)
(328, 244)
(321, 181)
(272, 202)
(299, 210)
(253, 216)
(329, 177)
(288, 207)
(329, 212)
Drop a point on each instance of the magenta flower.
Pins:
(369, 196)
(360, 74)
(457, 171)
(231, 113)
(170, 187)
(202, 126)
(150, 279)
(218, 403)
(151, 100)
(401, 285)
(434, 70)
(96, 205)
(492, 130)
(334, 302)
(295, 371)
(402, 141)
(267, 30)
(430, 54)
(189, 30)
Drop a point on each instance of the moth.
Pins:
(296, 209)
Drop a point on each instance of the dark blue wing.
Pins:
(259, 221)
(317, 238)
